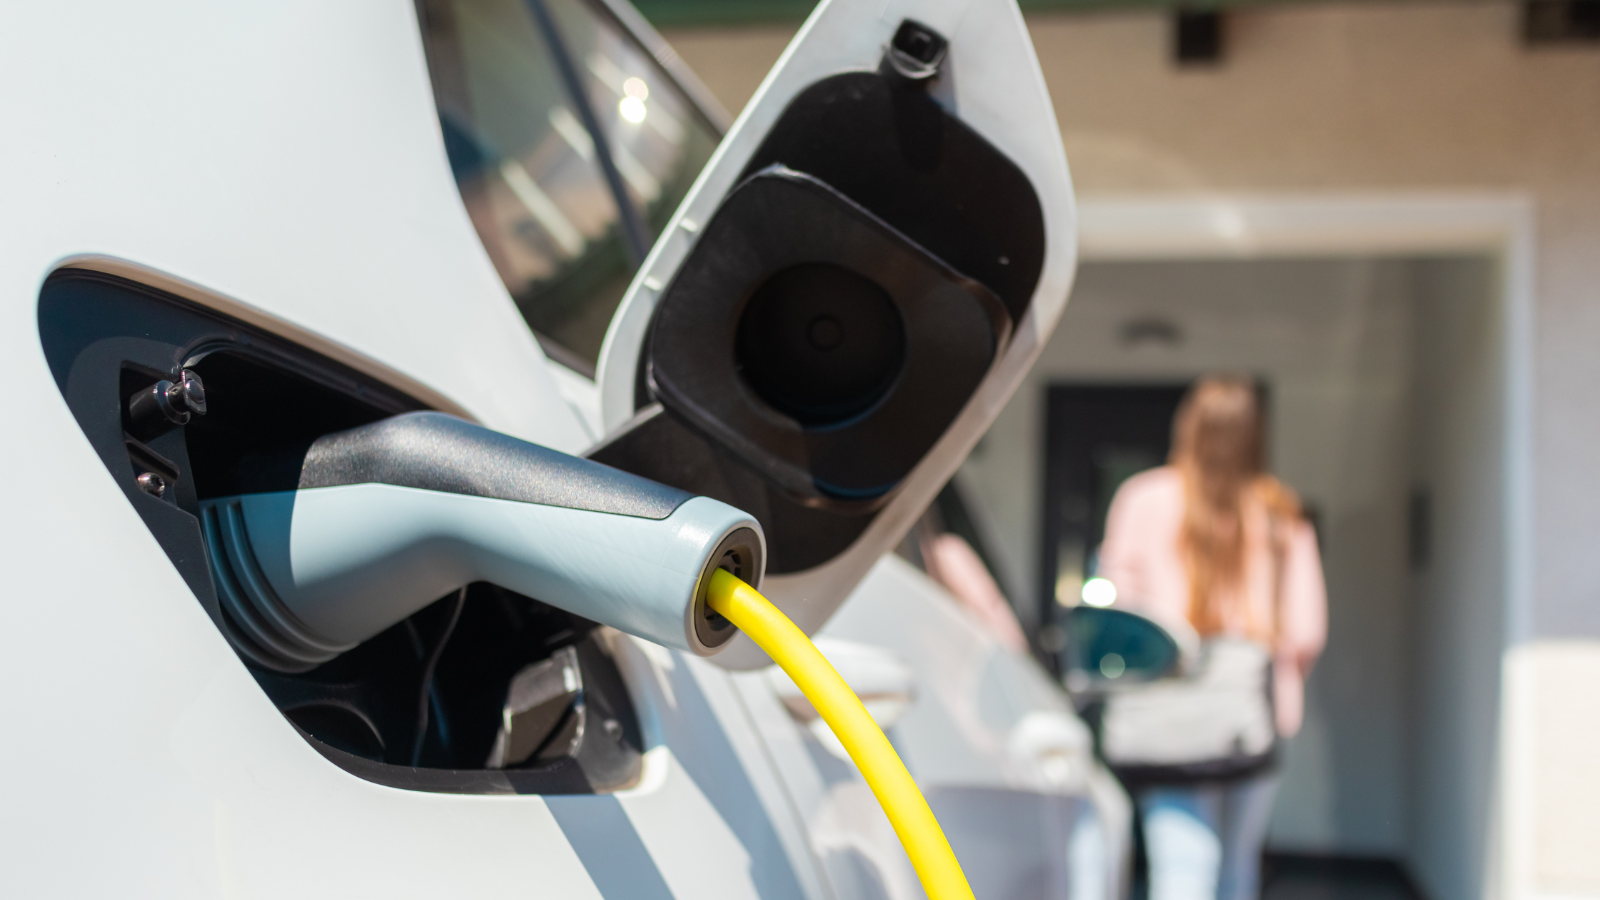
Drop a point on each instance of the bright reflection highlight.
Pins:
(1112, 665)
(1099, 592)
(632, 109)
(636, 88)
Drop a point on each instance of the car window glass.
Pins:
(657, 139)
(527, 168)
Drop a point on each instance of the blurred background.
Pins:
(1389, 214)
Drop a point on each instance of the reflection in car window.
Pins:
(656, 139)
(528, 170)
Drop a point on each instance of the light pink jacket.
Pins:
(1141, 556)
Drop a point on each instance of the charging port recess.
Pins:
(484, 691)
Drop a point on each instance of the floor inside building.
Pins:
(1293, 877)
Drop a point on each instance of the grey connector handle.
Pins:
(390, 517)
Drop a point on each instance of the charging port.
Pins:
(184, 406)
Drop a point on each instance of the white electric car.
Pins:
(232, 230)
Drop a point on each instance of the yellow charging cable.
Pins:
(908, 811)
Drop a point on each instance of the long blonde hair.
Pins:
(1217, 446)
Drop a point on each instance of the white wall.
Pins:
(1458, 613)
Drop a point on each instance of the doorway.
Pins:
(1388, 417)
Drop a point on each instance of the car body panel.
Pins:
(282, 164)
(989, 737)
(283, 159)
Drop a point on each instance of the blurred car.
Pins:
(296, 219)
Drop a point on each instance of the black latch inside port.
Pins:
(916, 51)
(166, 405)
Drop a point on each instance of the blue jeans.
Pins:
(1204, 841)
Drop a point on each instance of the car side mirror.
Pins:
(1110, 647)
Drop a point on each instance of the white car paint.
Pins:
(989, 738)
(282, 163)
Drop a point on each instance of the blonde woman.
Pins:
(1213, 540)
